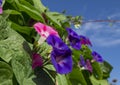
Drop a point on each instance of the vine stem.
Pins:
(112, 21)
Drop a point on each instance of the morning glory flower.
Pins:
(97, 57)
(74, 39)
(1, 10)
(82, 61)
(89, 66)
(36, 60)
(84, 40)
(77, 40)
(61, 55)
(44, 30)
(85, 64)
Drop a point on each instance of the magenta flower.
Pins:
(60, 55)
(1, 10)
(89, 66)
(36, 60)
(97, 57)
(74, 39)
(45, 30)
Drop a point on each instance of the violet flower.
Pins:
(97, 57)
(77, 40)
(74, 39)
(84, 40)
(1, 10)
(36, 60)
(82, 61)
(60, 55)
(86, 64)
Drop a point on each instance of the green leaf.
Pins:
(97, 71)
(61, 80)
(76, 77)
(106, 68)
(29, 9)
(21, 65)
(43, 78)
(6, 74)
(15, 49)
(3, 29)
(11, 44)
(38, 5)
(98, 82)
(22, 29)
(55, 17)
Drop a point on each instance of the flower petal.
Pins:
(1, 10)
(74, 39)
(61, 55)
(63, 62)
(89, 66)
(36, 60)
(57, 44)
(84, 40)
(45, 30)
(82, 61)
(97, 57)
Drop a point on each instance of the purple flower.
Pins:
(1, 11)
(89, 66)
(84, 40)
(74, 39)
(77, 40)
(97, 57)
(86, 64)
(60, 55)
(0, 2)
(36, 60)
(82, 61)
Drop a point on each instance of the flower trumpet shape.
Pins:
(60, 55)
(97, 57)
(74, 39)
(84, 40)
(77, 40)
(86, 64)
(45, 30)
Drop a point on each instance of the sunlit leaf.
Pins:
(98, 82)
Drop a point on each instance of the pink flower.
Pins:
(36, 60)
(1, 11)
(45, 30)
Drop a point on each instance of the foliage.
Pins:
(18, 41)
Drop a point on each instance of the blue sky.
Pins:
(105, 38)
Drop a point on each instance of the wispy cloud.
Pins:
(102, 34)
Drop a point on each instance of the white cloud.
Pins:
(102, 34)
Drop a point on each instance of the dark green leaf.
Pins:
(43, 78)
(106, 68)
(97, 71)
(29, 9)
(6, 74)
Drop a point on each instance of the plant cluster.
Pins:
(39, 47)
